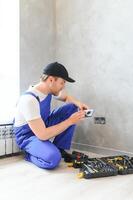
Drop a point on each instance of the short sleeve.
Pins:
(29, 107)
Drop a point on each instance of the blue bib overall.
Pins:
(45, 154)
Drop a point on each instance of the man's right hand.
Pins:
(45, 133)
(76, 117)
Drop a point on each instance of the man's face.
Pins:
(57, 84)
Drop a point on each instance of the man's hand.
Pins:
(81, 105)
(76, 117)
(70, 99)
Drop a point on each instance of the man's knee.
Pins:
(72, 107)
(53, 159)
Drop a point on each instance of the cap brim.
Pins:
(70, 80)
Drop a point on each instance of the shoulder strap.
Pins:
(26, 93)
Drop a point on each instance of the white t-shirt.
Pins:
(28, 107)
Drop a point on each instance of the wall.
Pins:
(37, 39)
(94, 41)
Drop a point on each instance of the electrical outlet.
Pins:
(99, 120)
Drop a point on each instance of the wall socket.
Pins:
(99, 120)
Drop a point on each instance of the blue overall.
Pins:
(45, 154)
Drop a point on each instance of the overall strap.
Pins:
(33, 95)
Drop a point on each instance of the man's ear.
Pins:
(51, 78)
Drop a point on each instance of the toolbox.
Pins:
(123, 163)
(100, 167)
(75, 159)
(95, 168)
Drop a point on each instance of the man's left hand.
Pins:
(81, 105)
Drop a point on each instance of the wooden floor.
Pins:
(20, 179)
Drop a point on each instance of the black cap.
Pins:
(57, 69)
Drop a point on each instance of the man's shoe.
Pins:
(67, 156)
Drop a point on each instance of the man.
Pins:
(35, 124)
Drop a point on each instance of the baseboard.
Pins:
(99, 149)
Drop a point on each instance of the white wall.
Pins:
(37, 39)
(9, 58)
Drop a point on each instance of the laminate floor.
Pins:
(20, 179)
